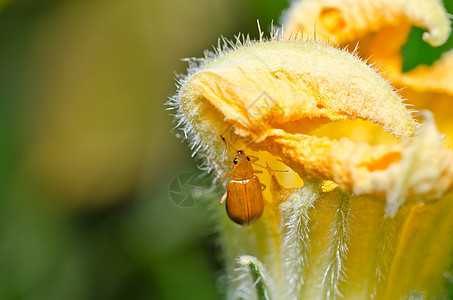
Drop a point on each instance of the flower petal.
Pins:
(294, 86)
(380, 28)
(347, 21)
(419, 169)
(437, 78)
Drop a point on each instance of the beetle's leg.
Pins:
(216, 168)
(223, 177)
(223, 198)
(253, 158)
(263, 186)
(257, 171)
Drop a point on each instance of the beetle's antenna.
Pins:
(269, 169)
(225, 151)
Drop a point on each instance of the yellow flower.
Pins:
(364, 211)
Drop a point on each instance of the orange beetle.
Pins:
(244, 197)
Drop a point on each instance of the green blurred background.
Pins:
(87, 152)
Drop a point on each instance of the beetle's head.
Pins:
(241, 157)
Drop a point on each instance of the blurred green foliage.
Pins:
(87, 151)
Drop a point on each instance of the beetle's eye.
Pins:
(235, 161)
(248, 158)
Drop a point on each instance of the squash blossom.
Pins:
(364, 211)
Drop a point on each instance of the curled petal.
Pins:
(294, 86)
(378, 29)
(418, 169)
(348, 21)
